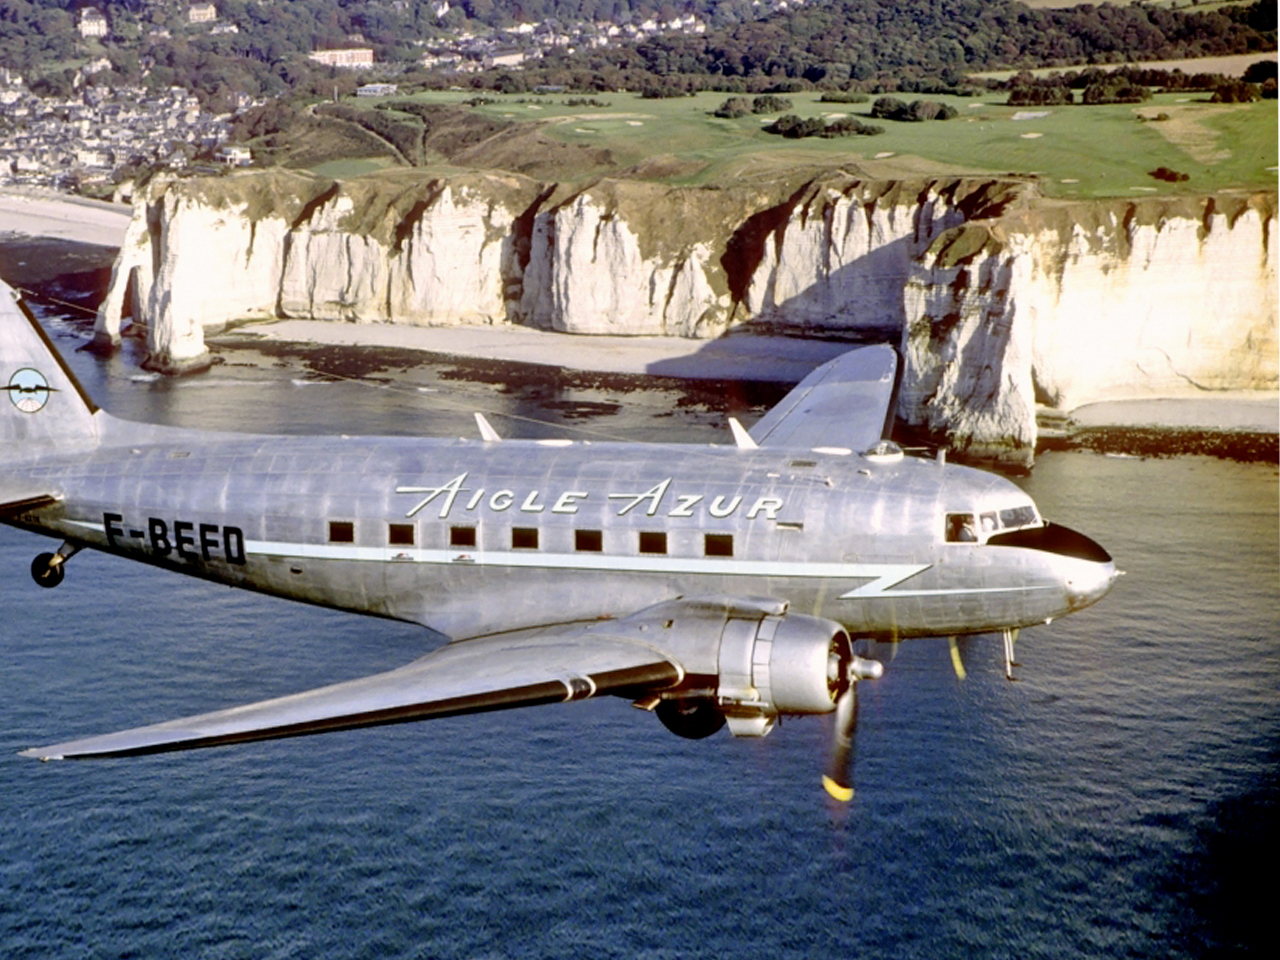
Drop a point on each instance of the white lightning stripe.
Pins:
(894, 574)
(882, 588)
(883, 576)
(865, 592)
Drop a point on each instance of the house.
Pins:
(349, 58)
(506, 58)
(234, 156)
(92, 23)
(202, 13)
(377, 90)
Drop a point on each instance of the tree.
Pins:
(1236, 91)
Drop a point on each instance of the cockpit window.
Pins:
(1019, 517)
(977, 527)
(961, 528)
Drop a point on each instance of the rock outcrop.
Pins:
(1066, 304)
(1001, 300)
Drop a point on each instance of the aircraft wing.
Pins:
(549, 665)
(846, 402)
(14, 502)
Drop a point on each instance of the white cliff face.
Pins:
(332, 273)
(1001, 301)
(841, 259)
(588, 274)
(618, 258)
(1139, 302)
(1191, 308)
(196, 264)
(192, 268)
(455, 263)
(445, 268)
(966, 363)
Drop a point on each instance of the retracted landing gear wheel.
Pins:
(45, 572)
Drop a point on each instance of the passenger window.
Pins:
(590, 541)
(653, 542)
(961, 528)
(718, 545)
(400, 534)
(462, 536)
(342, 531)
(524, 538)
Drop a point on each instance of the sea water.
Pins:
(1120, 800)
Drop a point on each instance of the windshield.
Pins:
(977, 526)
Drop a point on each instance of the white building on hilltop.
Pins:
(202, 13)
(349, 58)
(92, 23)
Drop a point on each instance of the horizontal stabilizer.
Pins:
(472, 676)
(847, 402)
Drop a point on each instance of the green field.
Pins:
(1075, 151)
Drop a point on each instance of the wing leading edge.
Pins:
(551, 665)
(847, 402)
(16, 502)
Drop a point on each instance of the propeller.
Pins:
(957, 645)
(957, 662)
(838, 780)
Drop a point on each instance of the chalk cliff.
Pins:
(1000, 299)
(1067, 304)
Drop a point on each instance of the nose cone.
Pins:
(1088, 581)
(1085, 570)
(1088, 570)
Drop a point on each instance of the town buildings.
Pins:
(85, 139)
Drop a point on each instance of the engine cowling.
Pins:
(787, 663)
(746, 660)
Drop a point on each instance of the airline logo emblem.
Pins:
(29, 390)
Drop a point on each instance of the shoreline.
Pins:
(740, 356)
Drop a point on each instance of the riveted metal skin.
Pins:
(725, 575)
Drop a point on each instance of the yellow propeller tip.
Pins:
(843, 794)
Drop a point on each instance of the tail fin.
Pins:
(43, 405)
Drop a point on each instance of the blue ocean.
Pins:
(1120, 800)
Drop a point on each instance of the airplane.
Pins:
(714, 585)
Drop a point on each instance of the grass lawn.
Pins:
(1076, 151)
(353, 167)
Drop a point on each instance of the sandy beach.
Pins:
(736, 357)
(32, 213)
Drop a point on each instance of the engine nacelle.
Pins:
(744, 659)
(785, 663)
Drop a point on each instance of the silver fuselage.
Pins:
(471, 537)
